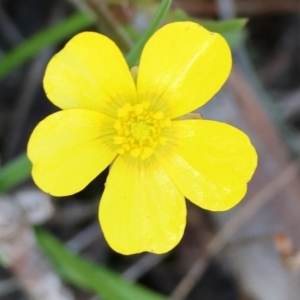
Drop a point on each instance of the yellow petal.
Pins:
(69, 149)
(212, 164)
(141, 209)
(90, 73)
(182, 66)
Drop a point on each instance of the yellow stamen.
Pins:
(158, 115)
(118, 140)
(139, 129)
(146, 152)
(118, 125)
(136, 152)
(124, 111)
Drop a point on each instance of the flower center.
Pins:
(139, 129)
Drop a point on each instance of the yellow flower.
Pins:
(156, 158)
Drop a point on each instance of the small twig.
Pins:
(142, 266)
(84, 238)
(257, 108)
(290, 105)
(216, 245)
(25, 99)
(265, 117)
(106, 19)
(242, 242)
(82, 6)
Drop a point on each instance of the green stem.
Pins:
(133, 56)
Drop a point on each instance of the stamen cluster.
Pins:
(139, 129)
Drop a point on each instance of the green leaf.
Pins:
(133, 56)
(43, 39)
(102, 281)
(14, 172)
(231, 30)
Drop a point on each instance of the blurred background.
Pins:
(54, 249)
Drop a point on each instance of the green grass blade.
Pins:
(133, 56)
(14, 172)
(43, 39)
(80, 272)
